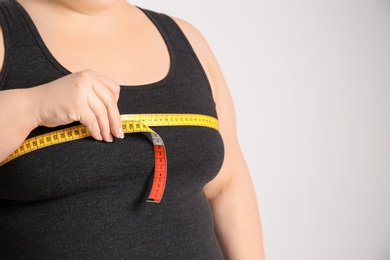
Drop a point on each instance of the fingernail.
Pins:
(121, 134)
(110, 139)
(100, 138)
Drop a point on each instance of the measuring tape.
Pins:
(131, 123)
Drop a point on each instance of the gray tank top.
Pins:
(86, 199)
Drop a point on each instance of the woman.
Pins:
(66, 63)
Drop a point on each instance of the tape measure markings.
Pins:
(160, 174)
(131, 123)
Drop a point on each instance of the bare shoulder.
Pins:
(2, 48)
(190, 30)
(194, 36)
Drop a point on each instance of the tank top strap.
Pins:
(25, 64)
(16, 30)
(170, 31)
(180, 48)
(16, 34)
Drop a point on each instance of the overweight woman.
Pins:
(177, 191)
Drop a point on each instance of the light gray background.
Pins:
(311, 85)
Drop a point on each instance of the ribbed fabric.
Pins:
(86, 199)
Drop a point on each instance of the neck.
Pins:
(86, 7)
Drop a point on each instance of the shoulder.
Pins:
(209, 63)
(189, 30)
(193, 34)
(201, 48)
(195, 37)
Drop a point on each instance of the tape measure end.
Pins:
(153, 201)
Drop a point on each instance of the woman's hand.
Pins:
(84, 96)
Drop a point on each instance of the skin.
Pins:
(132, 41)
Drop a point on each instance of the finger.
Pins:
(89, 120)
(100, 112)
(110, 100)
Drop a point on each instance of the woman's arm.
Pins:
(84, 96)
(16, 120)
(231, 194)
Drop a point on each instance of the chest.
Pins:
(194, 154)
(129, 50)
(128, 58)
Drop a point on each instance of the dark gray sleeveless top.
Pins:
(86, 199)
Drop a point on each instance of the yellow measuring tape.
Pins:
(131, 123)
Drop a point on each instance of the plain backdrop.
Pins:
(311, 86)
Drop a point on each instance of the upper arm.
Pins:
(2, 48)
(234, 163)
